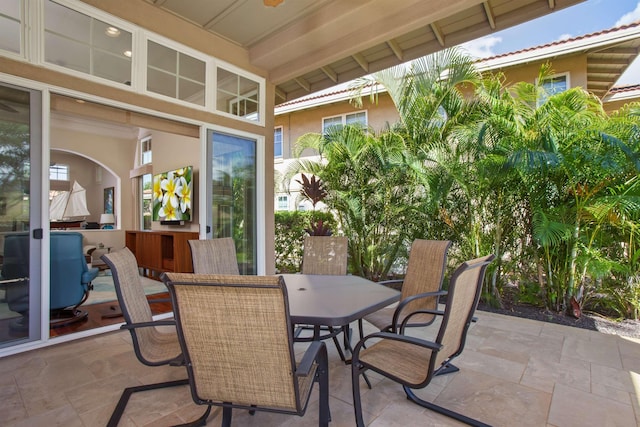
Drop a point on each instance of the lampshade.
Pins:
(107, 218)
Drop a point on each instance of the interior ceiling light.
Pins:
(272, 3)
(112, 32)
(127, 53)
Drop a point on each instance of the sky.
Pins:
(587, 17)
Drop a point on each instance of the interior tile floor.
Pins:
(513, 372)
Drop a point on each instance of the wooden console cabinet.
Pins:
(160, 251)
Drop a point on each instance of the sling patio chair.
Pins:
(155, 343)
(413, 362)
(325, 255)
(425, 273)
(236, 337)
(214, 256)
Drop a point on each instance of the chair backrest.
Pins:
(214, 256)
(425, 272)
(133, 303)
(325, 255)
(68, 269)
(462, 299)
(236, 337)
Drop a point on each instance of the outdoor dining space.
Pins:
(512, 372)
(237, 345)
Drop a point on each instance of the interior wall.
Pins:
(171, 152)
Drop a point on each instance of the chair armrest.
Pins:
(404, 302)
(310, 356)
(397, 337)
(149, 324)
(89, 275)
(391, 283)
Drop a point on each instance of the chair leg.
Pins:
(126, 394)
(439, 409)
(226, 416)
(202, 421)
(447, 369)
(322, 376)
(357, 403)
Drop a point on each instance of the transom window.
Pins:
(81, 43)
(10, 25)
(175, 74)
(237, 95)
(145, 151)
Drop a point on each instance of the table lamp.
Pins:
(107, 220)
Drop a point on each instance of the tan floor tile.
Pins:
(61, 416)
(607, 355)
(495, 401)
(575, 408)
(491, 365)
(542, 374)
(509, 323)
(13, 409)
(609, 377)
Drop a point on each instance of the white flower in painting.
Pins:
(184, 195)
(172, 188)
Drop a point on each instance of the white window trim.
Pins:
(343, 117)
(217, 63)
(566, 75)
(33, 33)
(281, 156)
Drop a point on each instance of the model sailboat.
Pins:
(68, 208)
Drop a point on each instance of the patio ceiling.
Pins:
(309, 45)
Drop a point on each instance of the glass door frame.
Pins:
(206, 183)
(38, 328)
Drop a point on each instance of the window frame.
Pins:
(545, 95)
(276, 129)
(343, 118)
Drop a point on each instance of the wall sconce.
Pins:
(107, 220)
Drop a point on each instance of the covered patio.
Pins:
(513, 371)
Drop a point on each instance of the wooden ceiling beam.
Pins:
(489, 13)
(397, 50)
(607, 61)
(303, 83)
(359, 58)
(437, 33)
(330, 73)
(552, 4)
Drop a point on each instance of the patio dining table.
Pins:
(334, 301)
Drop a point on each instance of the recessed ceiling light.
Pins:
(80, 101)
(112, 32)
(127, 53)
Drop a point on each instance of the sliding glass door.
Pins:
(232, 162)
(20, 232)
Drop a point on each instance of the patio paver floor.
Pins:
(513, 371)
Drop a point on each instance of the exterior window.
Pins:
(237, 95)
(146, 183)
(10, 25)
(59, 172)
(552, 85)
(85, 44)
(175, 74)
(277, 143)
(345, 119)
(283, 203)
(145, 151)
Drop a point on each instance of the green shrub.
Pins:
(291, 227)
